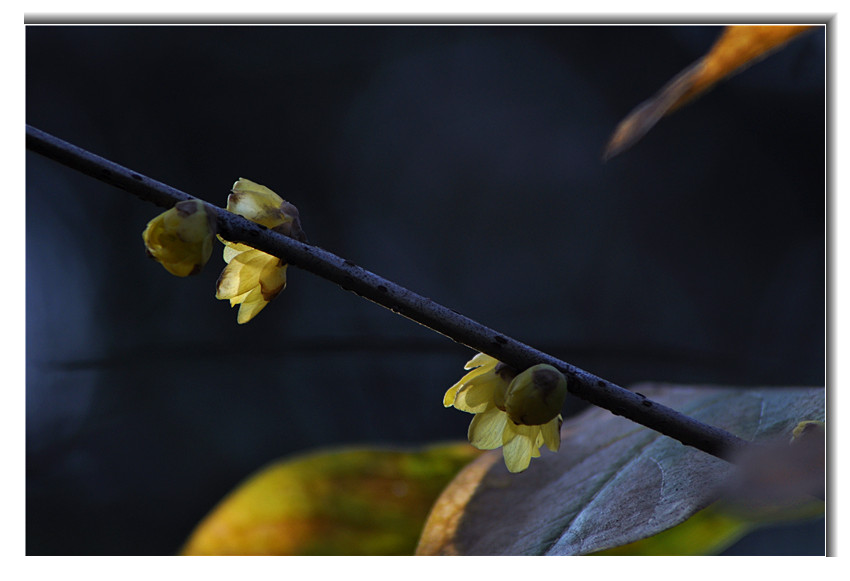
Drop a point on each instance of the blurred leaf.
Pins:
(737, 48)
(778, 481)
(339, 502)
(709, 532)
(612, 483)
(706, 533)
(777, 476)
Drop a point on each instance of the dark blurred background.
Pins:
(463, 162)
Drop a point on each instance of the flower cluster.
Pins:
(252, 278)
(181, 238)
(519, 412)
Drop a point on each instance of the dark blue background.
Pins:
(463, 162)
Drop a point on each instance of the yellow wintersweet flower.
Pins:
(181, 238)
(520, 412)
(252, 278)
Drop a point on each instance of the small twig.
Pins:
(398, 299)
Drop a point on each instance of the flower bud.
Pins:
(181, 238)
(507, 374)
(536, 395)
(252, 278)
(261, 205)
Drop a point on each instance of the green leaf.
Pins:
(708, 532)
(613, 482)
(335, 502)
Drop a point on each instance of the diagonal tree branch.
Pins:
(400, 300)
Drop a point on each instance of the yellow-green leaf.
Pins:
(708, 532)
(336, 502)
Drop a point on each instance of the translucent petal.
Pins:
(227, 286)
(239, 299)
(206, 249)
(451, 394)
(272, 278)
(257, 203)
(154, 228)
(252, 305)
(517, 453)
(180, 238)
(485, 431)
(551, 433)
(538, 439)
(449, 398)
(476, 396)
(471, 375)
(480, 360)
(230, 252)
(194, 224)
(529, 432)
(510, 431)
(232, 248)
(242, 273)
(244, 185)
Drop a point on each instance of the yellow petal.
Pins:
(551, 433)
(273, 278)
(257, 195)
(469, 376)
(449, 398)
(181, 238)
(517, 453)
(239, 299)
(481, 360)
(477, 396)
(510, 431)
(479, 365)
(232, 249)
(242, 273)
(485, 430)
(530, 432)
(258, 203)
(252, 304)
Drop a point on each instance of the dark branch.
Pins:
(400, 300)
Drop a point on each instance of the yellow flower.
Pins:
(520, 412)
(261, 205)
(253, 278)
(181, 238)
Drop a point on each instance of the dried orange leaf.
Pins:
(339, 502)
(737, 48)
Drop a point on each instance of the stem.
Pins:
(400, 300)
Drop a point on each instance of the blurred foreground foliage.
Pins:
(334, 502)
(614, 488)
(737, 48)
(710, 531)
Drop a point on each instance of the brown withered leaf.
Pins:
(737, 48)
(613, 482)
